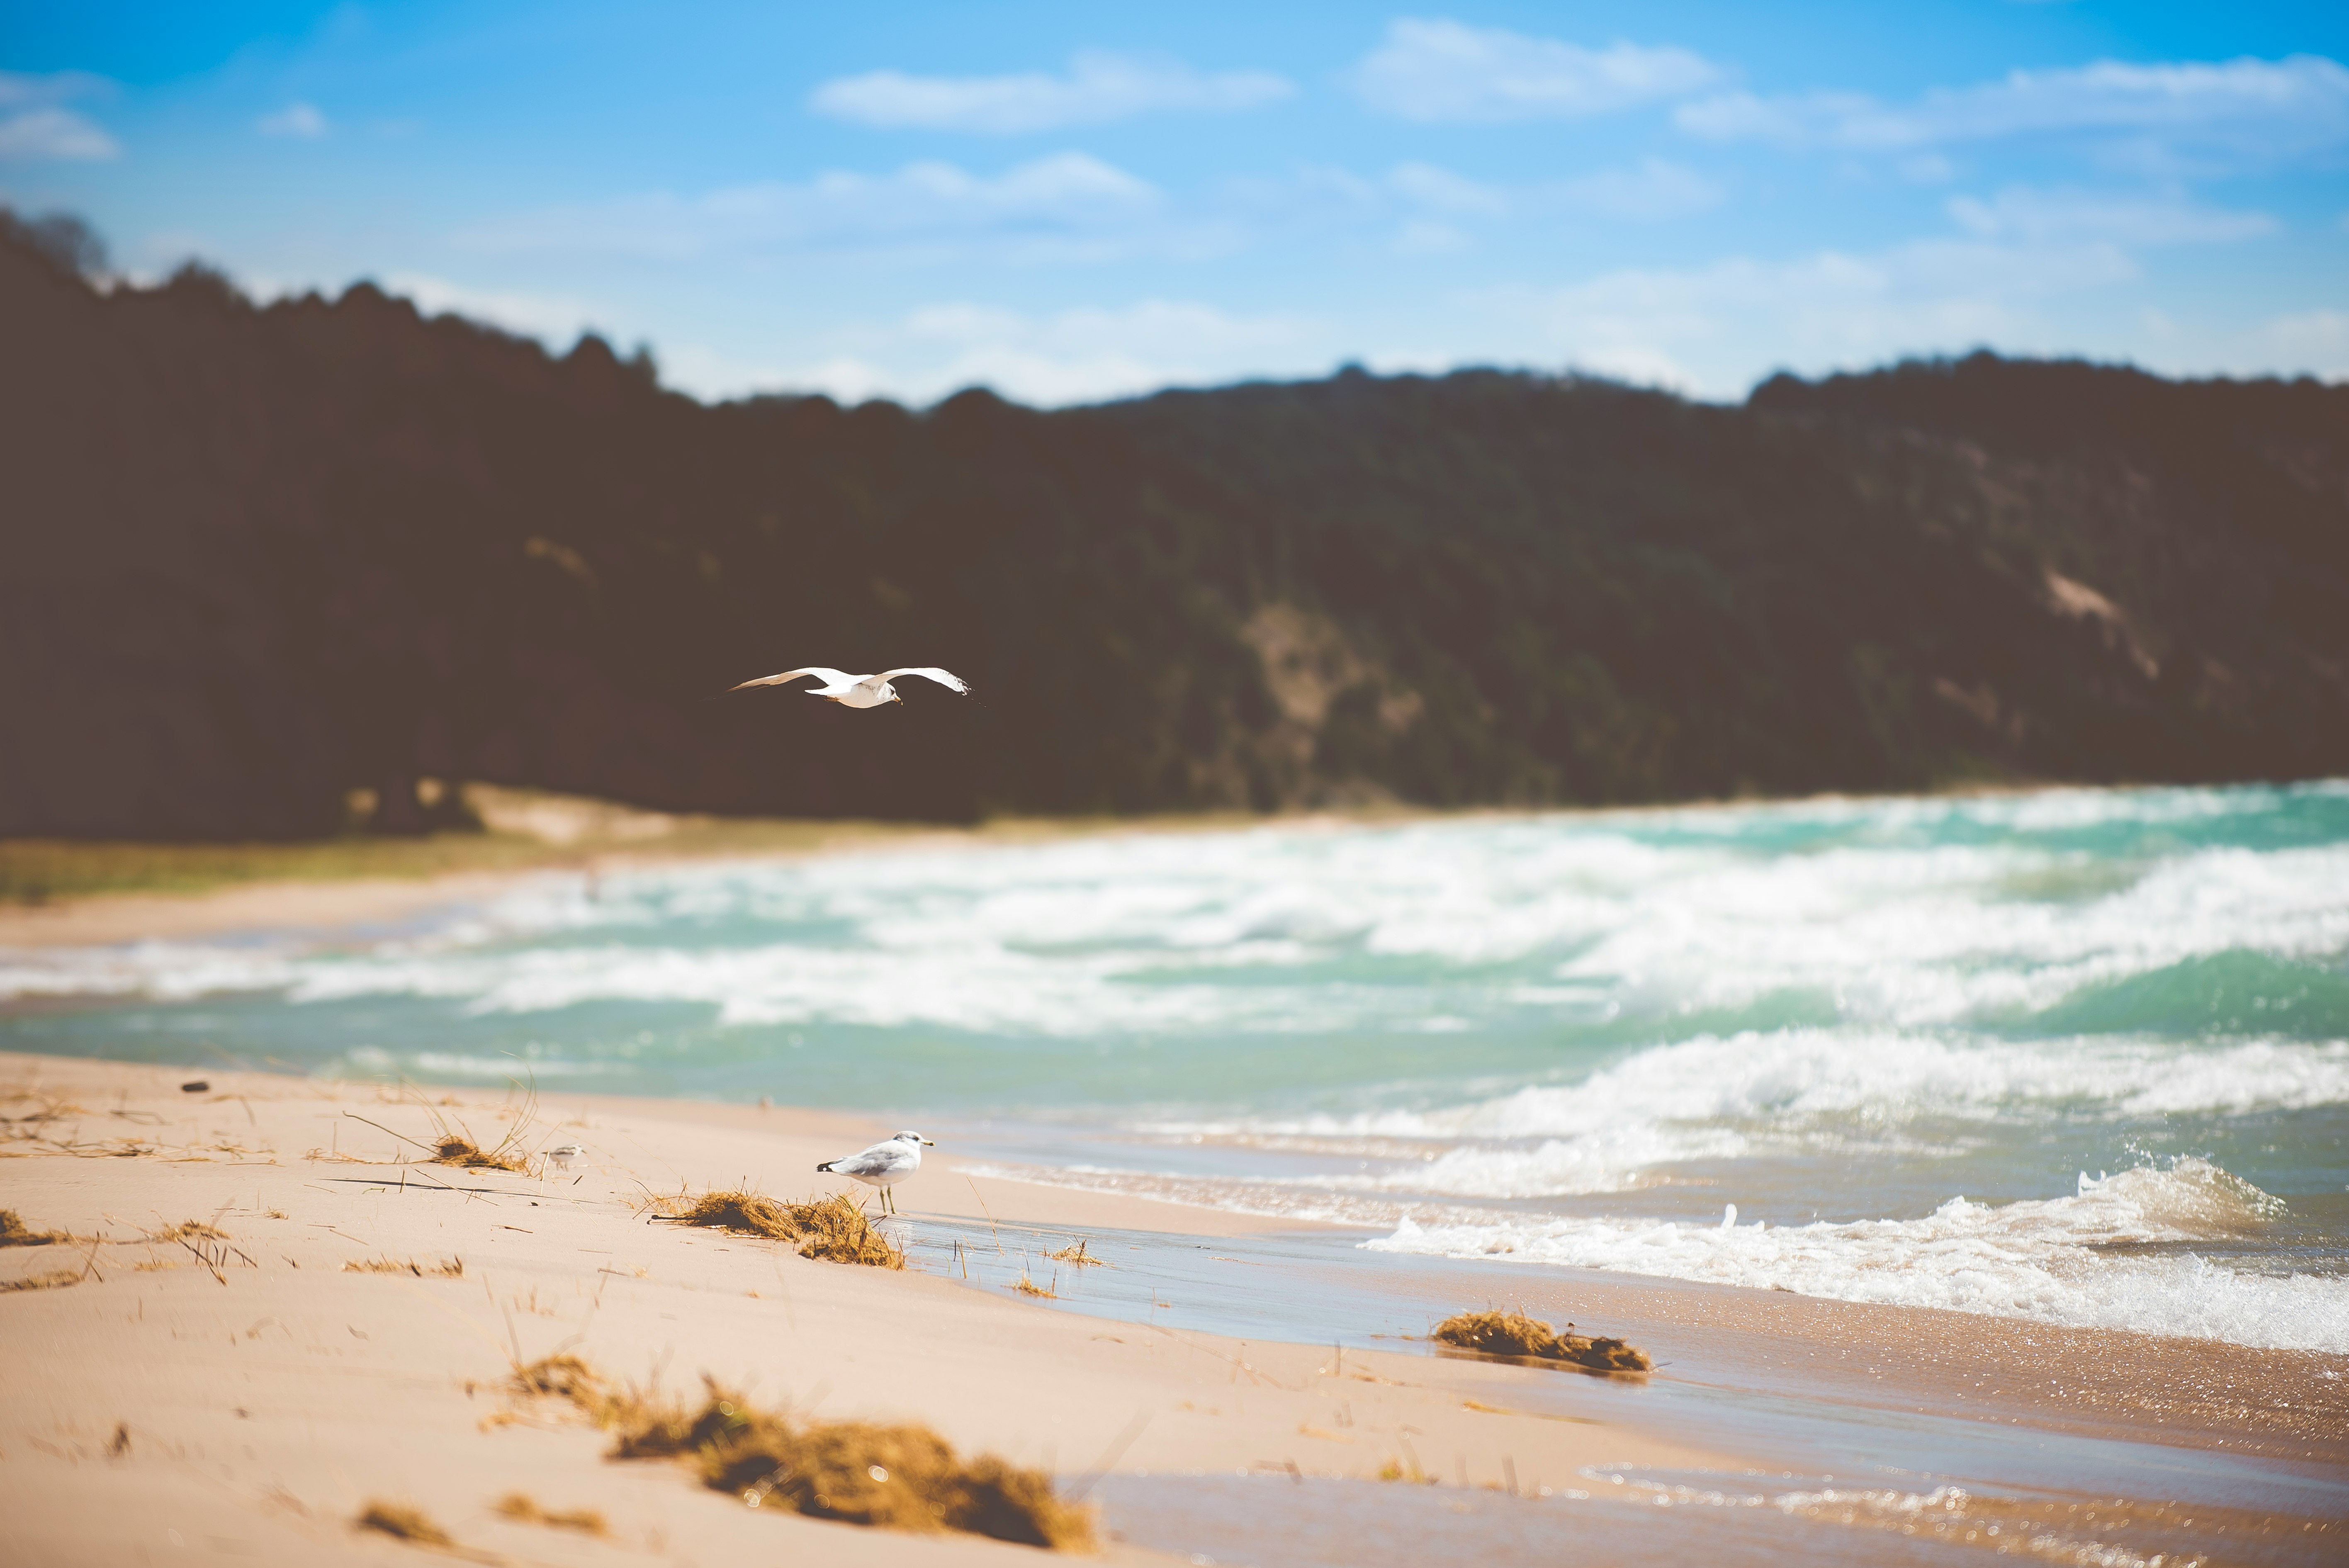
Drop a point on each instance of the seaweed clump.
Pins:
(457, 1149)
(55, 1279)
(453, 1269)
(901, 1476)
(404, 1521)
(1514, 1333)
(523, 1508)
(14, 1232)
(833, 1229)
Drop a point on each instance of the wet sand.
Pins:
(245, 1403)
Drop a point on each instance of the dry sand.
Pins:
(244, 1398)
(321, 907)
(163, 1407)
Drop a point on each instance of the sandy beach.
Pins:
(246, 1397)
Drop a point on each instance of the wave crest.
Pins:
(2042, 1258)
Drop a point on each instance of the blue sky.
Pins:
(1070, 202)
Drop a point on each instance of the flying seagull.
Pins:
(884, 1165)
(860, 691)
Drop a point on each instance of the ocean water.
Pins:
(2078, 1056)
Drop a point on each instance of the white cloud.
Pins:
(1083, 355)
(1436, 70)
(37, 128)
(1712, 330)
(1652, 190)
(41, 135)
(1098, 88)
(2312, 342)
(2271, 107)
(1066, 207)
(1427, 237)
(21, 89)
(297, 119)
(2019, 212)
(1445, 192)
(552, 319)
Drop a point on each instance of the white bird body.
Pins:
(884, 1164)
(564, 1154)
(860, 691)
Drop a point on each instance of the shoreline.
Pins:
(578, 836)
(281, 1374)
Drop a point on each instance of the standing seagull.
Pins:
(884, 1165)
(860, 691)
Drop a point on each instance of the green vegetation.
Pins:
(541, 832)
(260, 558)
(39, 870)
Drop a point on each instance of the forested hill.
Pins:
(251, 557)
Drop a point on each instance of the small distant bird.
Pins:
(859, 691)
(884, 1164)
(563, 1154)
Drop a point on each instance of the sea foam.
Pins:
(2035, 1259)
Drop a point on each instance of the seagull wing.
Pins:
(946, 678)
(877, 1160)
(829, 676)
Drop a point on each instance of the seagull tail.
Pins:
(826, 1165)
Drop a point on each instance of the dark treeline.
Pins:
(252, 558)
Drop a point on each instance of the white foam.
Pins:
(1439, 925)
(1610, 1161)
(1795, 1081)
(2029, 1260)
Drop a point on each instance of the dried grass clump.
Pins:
(1026, 1285)
(452, 1142)
(522, 1508)
(188, 1231)
(14, 1232)
(1514, 1333)
(1079, 1256)
(833, 1229)
(403, 1521)
(453, 1269)
(457, 1149)
(902, 1477)
(52, 1280)
(566, 1377)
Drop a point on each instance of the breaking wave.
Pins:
(2049, 1259)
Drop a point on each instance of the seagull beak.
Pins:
(929, 1144)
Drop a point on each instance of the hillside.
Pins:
(252, 558)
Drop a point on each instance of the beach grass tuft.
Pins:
(900, 1477)
(565, 1377)
(404, 1521)
(1078, 1256)
(453, 1269)
(833, 1229)
(523, 1508)
(1514, 1333)
(52, 1280)
(454, 1148)
(14, 1232)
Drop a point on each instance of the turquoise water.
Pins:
(2081, 1056)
